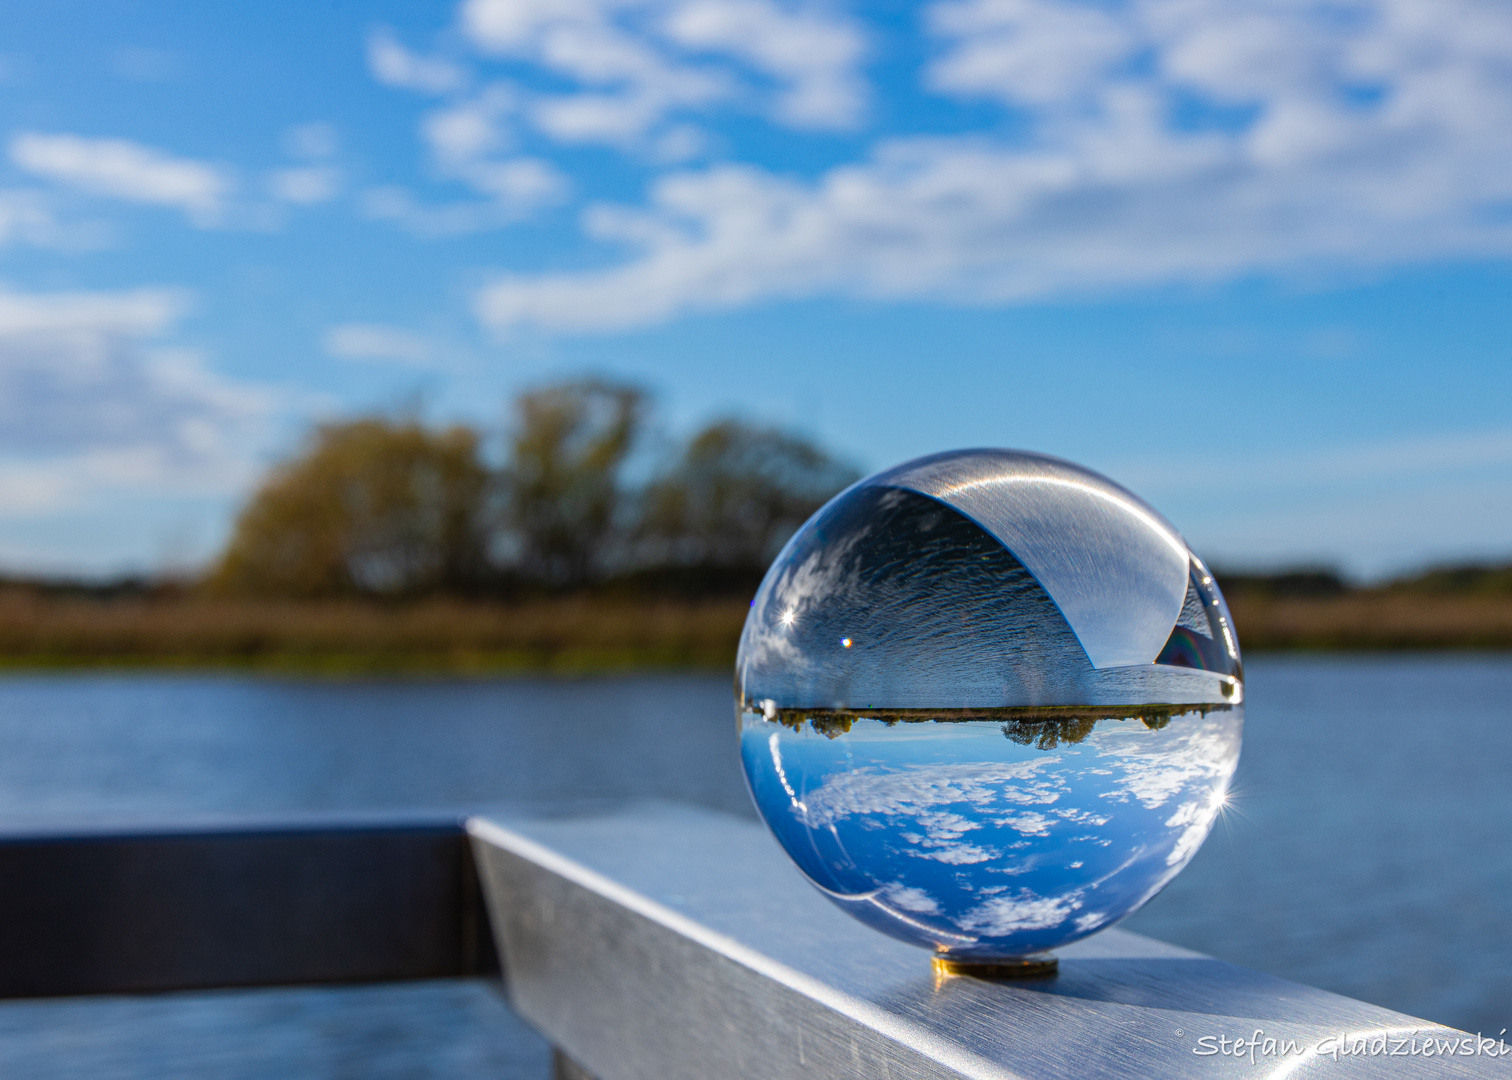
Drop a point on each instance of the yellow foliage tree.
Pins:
(568, 447)
(373, 506)
(735, 495)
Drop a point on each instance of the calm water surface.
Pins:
(1368, 852)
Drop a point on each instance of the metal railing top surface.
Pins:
(662, 942)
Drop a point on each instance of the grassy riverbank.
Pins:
(1386, 620)
(339, 638)
(590, 634)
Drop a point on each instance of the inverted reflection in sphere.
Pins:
(989, 702)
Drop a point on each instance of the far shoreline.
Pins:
(587, 635)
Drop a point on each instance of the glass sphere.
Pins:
(989, 702)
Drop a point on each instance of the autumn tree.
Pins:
(372, 506)
(391, 507)
(735, 495)
(563, 483)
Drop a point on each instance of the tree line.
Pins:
(390, 506)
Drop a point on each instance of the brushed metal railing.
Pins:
(656, 942)
(668, 943)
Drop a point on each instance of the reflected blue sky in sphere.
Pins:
(952, 835)
(989, 702)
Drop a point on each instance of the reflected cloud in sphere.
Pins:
(989, 702)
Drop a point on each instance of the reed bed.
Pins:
(350, 637)
(1380, 621)
(580, 635)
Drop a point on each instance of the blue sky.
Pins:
(1251, 261)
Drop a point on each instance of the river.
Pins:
(1366, 850)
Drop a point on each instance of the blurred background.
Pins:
(495, 347)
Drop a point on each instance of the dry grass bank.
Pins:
(442, 637)
(1385, 620)
(582, 635)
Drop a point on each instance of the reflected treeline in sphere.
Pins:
(989, 702)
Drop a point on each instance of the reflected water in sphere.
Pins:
(989, 702)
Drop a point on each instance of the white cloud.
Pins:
(125, 170)
(316, 179)
(470, 129)
(525, 183)
(28, 217)
(466, 138)
(936, 799)
(599, 118)
(92, 402)
(1162, 141)
(618, 73)
(369, 341)
(630, 85)
(315, 141)
(517, 187)
(639, 63)
(1025, 50)
(394, 65)
(910, 898)
(814, 56)
(1195, 757)
(999, 916)
(305, 185)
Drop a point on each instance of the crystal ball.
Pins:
(989, 702)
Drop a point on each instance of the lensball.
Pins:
(989, 702)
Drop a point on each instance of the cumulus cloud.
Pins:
(518, 187)
(638, 63)
(812, 55)
(469, 140)
(1156, 141)
(999, 916)
(122, 169)
(472, 128)
(316, 179)
(521, 183)
(1024, 51)
(369, 341)
(627, 80)
(910, 898)
(315, 141)
(394, 65)
(28, 217)
(92, 400)
(937, 799)
(636, 75)
(1196, 755)
(305, 185)
(1194, 761)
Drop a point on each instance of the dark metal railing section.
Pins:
(256, 905)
